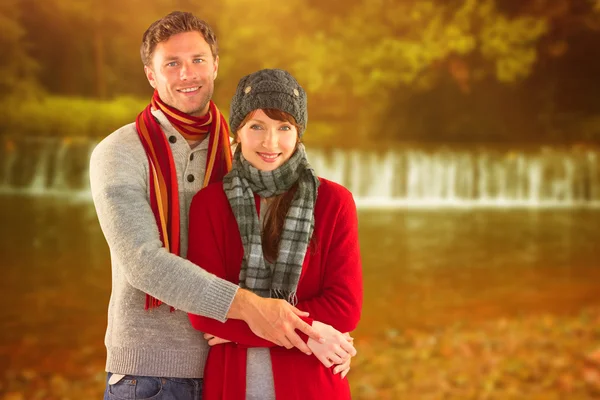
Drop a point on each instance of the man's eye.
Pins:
(172, 64)
(198, 60)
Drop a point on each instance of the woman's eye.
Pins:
(255, 127)
(285, 128)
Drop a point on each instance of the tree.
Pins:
(91, 47)
(18, 69)
(382, 48)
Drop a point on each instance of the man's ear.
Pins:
(216, 71)
(150, 75)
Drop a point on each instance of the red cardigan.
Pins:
(330, 289)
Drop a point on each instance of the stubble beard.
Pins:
(198, 111)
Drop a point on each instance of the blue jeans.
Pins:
(153, 388)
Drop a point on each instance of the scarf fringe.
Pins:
(282, 294)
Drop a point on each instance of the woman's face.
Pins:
(267, 143)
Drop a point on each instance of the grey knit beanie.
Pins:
(268, 88)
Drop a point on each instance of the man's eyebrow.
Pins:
(172, 57)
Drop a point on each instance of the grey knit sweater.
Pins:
(156, 342)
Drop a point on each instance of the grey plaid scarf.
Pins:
(240, 184)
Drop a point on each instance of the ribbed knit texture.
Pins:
(156, 342)
(268, 88)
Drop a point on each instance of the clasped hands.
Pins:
(336, 348)
(277, 320)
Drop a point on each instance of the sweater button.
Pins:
(192, 157)
(172, 139)
(190, 178)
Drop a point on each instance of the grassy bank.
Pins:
(61, 116)
(55, 116)
(68, 116)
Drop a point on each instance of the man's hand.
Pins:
(337, 348)
(273, 319)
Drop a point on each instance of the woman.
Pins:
(277, 229)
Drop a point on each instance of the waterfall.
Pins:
(476, 177)
(394, 177)
(51, 167)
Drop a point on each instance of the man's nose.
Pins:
(187, 72)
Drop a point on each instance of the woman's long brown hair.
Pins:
(279, 205)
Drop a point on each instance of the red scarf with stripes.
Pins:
(164, 193)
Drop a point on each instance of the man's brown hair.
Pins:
(172, 24)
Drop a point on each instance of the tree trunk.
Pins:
(99, 65)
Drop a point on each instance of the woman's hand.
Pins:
(214, 340)
(336, 349)
(344, 368)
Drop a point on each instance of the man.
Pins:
(143, 177)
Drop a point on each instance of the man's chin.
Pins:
(190, 111)
(196, 111)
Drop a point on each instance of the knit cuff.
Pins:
(217, 298)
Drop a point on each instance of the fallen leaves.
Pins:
(534, 357)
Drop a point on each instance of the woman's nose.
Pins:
(270, 140)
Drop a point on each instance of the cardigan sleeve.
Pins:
(236, 331)
(338, 305)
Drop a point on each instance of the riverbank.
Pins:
(537, 357)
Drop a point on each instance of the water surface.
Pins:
(422, 269)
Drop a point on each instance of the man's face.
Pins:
(183, 72)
